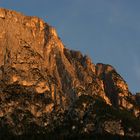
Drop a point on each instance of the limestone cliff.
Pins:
(47, 87)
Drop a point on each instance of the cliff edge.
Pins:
(50, 89)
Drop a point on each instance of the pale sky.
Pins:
(106, 30)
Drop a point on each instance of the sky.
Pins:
(106, 30)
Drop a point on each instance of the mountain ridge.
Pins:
(49, 87)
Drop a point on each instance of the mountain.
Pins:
(47, 90)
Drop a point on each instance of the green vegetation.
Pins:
(108, 112)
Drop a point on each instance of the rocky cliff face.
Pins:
(48, 88)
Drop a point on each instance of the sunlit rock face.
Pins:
(46, 87)
(115, 87)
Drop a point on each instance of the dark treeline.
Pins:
(57, 137)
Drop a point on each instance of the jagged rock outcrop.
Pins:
(48, 88)
(116, 89)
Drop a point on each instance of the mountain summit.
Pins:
(47, 89)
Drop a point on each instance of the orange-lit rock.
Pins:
(46, 87)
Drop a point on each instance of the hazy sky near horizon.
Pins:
(106, 30)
